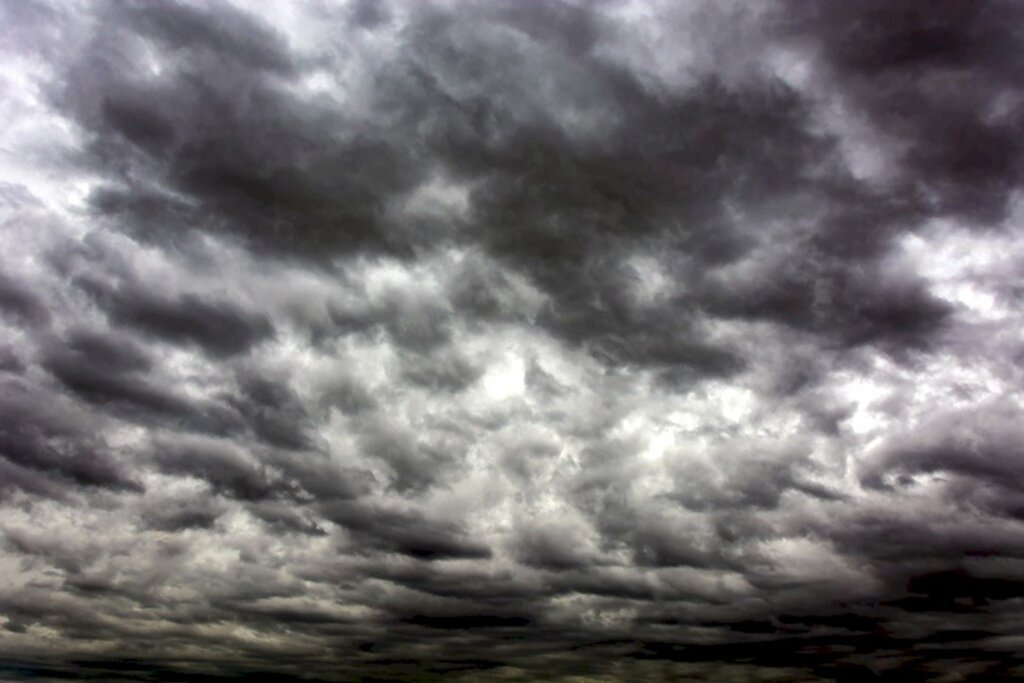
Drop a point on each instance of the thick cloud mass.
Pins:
(511, 341)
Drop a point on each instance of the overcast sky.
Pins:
(511, 340)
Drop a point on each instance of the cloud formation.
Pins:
(511, 341)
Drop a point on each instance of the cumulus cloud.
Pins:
(511, 341)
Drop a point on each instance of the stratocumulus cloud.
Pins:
(493, 340)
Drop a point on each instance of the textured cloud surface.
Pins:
(511, 341)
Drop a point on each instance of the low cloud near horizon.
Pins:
(511, 341)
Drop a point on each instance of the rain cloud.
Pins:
(511, 341)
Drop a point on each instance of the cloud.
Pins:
(493, 341)
(55, 440)
(403, 532)
(218, 328)
(20, 303)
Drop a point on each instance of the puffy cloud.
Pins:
(510, 341)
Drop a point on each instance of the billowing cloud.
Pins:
(511, 341)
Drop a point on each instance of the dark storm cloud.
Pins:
(511, 341)
(283, 517)
(41, 435)
(91, 371)
(662, 177)
(851, 305)
(219, 328)
(218, 29)
(413, 463)
(18, 301)
(564, 206)
(270, 169)
(758, 478)
(276, 415)
(975, 454)
(227, 468)
(900, 62)
(107, 352)
(552, 548)
(182, 514)
(403, 532)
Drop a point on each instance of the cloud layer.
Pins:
(511, 341)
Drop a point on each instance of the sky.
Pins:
(485, 340)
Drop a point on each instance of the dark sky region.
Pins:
(494, 340)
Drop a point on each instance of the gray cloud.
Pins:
(510, 341)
